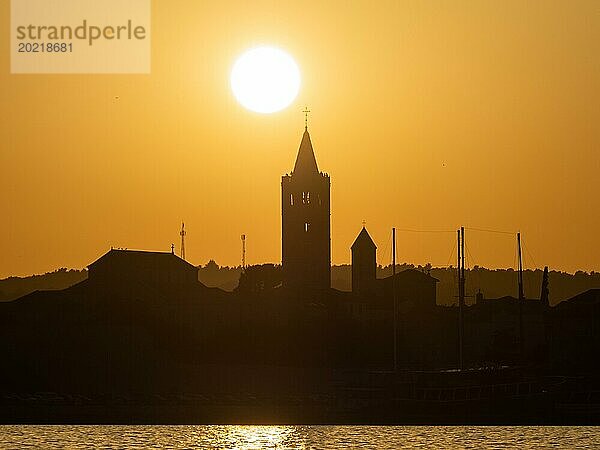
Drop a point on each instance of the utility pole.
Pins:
(182, 234)
(521, 299)
(394, 300)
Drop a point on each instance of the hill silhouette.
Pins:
(14, 287)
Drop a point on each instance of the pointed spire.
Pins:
(306, 161)
(363, 239)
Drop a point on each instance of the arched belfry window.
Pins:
(292, 199)
(306, 198)
(306, 227)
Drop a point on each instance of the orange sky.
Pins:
(427, 115)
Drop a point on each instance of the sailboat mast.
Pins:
(521, 297)
(461, 295)
(395, 312)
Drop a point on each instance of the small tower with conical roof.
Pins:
(364, 263)
(305, 223)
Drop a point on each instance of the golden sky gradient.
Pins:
(427, 115)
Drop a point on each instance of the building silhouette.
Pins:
(413, 287)
(305, 223)
(364, 264)
(141, 339)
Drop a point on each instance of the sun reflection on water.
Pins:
(252, 436)
(292, 437)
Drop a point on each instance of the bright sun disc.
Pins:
(265, 79)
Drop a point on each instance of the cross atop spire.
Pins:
(306, 111)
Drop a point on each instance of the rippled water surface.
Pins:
(295, 437)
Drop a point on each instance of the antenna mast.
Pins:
(182, 234)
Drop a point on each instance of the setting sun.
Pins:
(265, 79)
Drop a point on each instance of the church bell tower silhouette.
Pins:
(305, 223)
